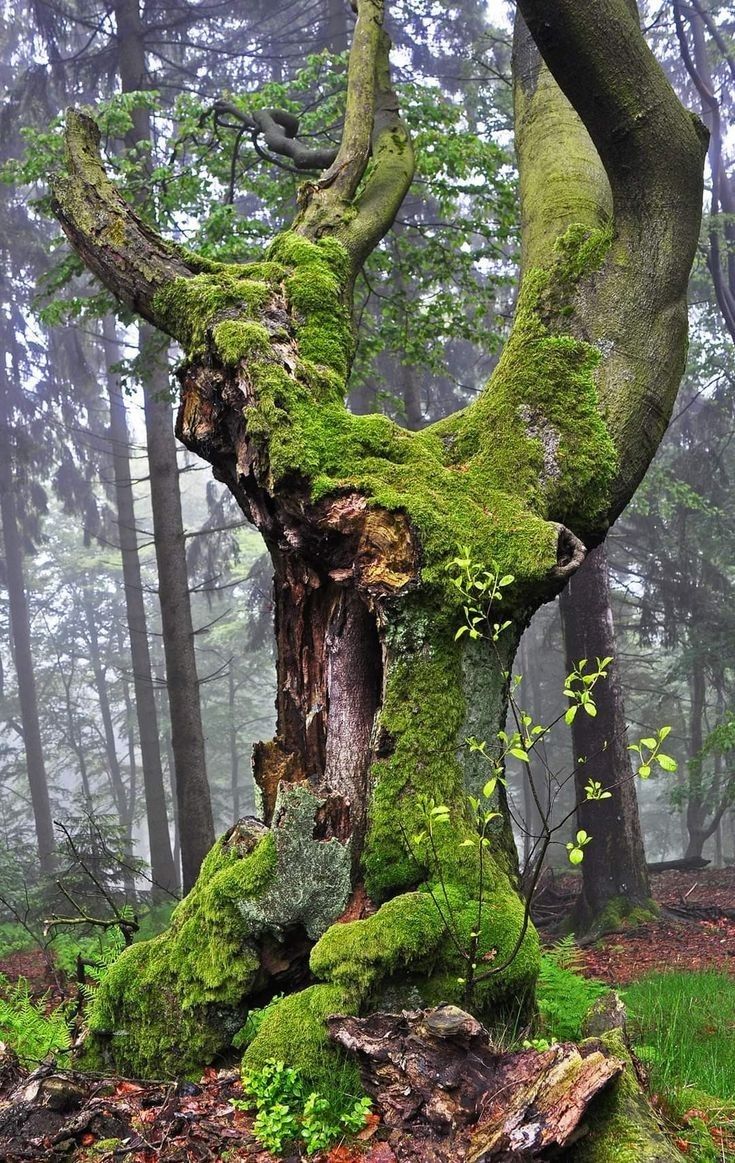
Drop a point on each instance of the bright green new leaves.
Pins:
(649, 754)
(594, 791)
(579, 685)
(576, 847)
(480, 588)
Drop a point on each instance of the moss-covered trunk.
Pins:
(362, 518)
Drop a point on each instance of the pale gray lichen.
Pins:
(312, 884)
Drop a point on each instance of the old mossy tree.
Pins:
(361, 518)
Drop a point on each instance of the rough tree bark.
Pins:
(614, 874)
(361, 517)
(194, 808)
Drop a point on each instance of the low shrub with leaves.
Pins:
(29, 1026)
(289, 1113)
(563, 995)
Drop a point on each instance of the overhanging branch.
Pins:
(124, 252)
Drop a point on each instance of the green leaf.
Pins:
(649, 743)
(667, 762)
(519, 753)
(506, 580)
(489, 787)
(569, 715)
(576, 856)
(591, 709)
(462, 630)
(644, 771)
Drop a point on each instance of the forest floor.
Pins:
(696, 930)
(150, 1122)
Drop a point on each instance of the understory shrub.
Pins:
(563, 995)
(29, 1026)
(289, 1112)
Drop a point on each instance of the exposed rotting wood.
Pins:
(437, 1075)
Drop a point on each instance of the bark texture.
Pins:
(614, 874)
(195, 823)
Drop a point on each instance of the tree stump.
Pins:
(447, 1093)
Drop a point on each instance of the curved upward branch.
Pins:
(347, 169)
(128, 256)
(651, 147)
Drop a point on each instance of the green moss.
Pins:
(190, 307)
(621, 913)
(404, 932)
(168, 1005)
(621, 1125)
(294, 1032)
(235, 340)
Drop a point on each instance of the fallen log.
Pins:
(448, 1094)
(685, 864)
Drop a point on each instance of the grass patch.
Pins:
(683, 1026)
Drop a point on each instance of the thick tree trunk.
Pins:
(22, 655)
(195, 824)
(163, 872)
(376, 694)
(614, 876)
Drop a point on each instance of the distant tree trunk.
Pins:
(196, 827)
(337, 37)
(614, 875)
(122, 799)
(163, 870)
(195, 823)
(234, 749)
(21, 644)
(696, 812)
(533, 795)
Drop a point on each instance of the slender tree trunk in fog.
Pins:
(123, 799)
(195, 823)
(696, 812)
(614, 874)
(163, 871)
(21, 644)
(234, 752)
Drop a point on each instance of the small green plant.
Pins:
(563, 995)
(481, 589)
(253, 1022)
(289, 1112)
(29, 1027)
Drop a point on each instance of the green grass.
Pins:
(683, 1026)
